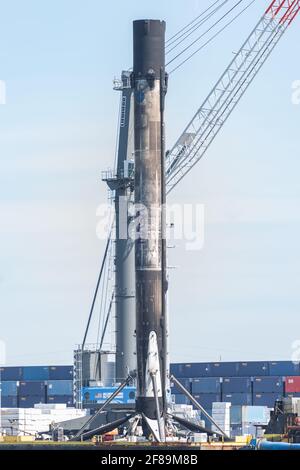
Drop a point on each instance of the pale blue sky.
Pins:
(238, 298)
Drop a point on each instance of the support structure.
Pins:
(197, 404)
(121, 182)
(81, 431)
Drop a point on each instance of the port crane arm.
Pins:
(221, 101)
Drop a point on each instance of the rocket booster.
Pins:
(149, 83)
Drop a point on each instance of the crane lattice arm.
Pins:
(217, 107)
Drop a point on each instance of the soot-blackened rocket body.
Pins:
(149, 82)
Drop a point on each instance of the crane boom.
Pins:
(217, 107)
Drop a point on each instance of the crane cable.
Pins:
(205, 32)
(106, 320)
(259, 59)
(104, 293)
(97, 288)
(103, 302)
(192, 30)
(211, 39)
(170, 41)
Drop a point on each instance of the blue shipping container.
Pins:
(101, 394)
(206, 385)
(9, 402)
(181, 399)
(190, 370)
(207, 422)
(236, 430)
(175, 370)
(268, 385)
(61, 399)
(238, 398)
(11, 373)
(266, 399)
(35, 373)
(284, 368)
(184, 382)
(291, 395)
(9, 388)
(60, 372)
(59, 387)
(207, 399)
(32, 388)
(236, 385)
(236, 415)
(30, 401)
(253, 369)
(223, 369)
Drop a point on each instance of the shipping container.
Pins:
(9, 388)
(184, 382)
(268, 385)
(30, 401)
(11, 373)
(236, 415)
(284, 368)
(206, 385)
(292, 384)
(236, 430)
(190, 370)
(61, 399)
(252, 369)
(266, 399)
(223, 369)
(60, 372)
(207, 399)
(181, 399)
(59, 387)
(238, 398)
(9, 402)
(35, 373)
(32, 388)
(236, 385)
(175, 370)
(249, 429)
(101, 394)
(292, 395)
(255, 414)
(207, 422)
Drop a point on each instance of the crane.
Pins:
(225, 95)
(189, 148)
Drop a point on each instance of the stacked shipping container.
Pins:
(26, 386)
(246, 419)
(241, 383)
(236, 369)
(9, 394)
(31, 393)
